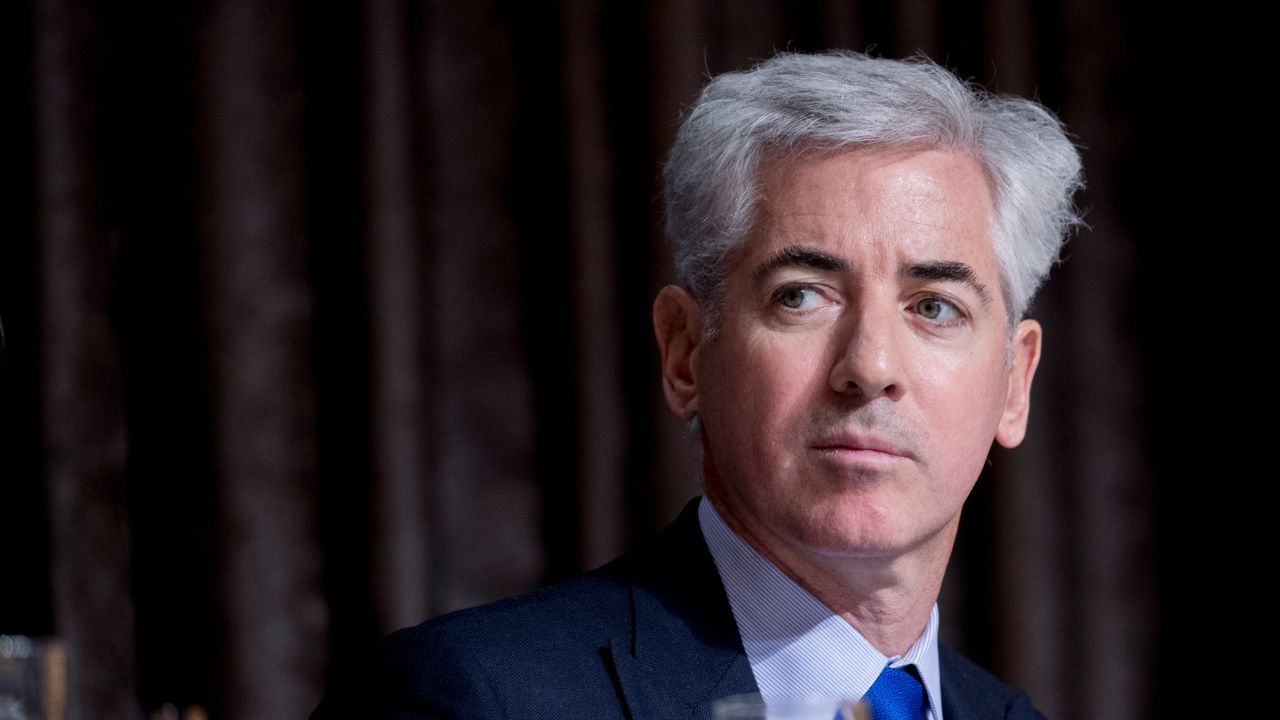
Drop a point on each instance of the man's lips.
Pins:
(862, 445)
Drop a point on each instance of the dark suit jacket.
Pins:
(649, 635)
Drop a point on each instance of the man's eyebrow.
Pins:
(948, 270)
(798, 256)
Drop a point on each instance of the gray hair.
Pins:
(845, 100)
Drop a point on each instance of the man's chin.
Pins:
(854, 535)
(859, 547)
(846, 537)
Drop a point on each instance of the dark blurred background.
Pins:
(326, 318)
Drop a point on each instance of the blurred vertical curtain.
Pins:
(340, 319)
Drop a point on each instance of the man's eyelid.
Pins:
(825, 291)
(798, 275)
(959, 294)
(780, 277)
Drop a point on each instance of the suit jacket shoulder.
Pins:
(536, 651)
(650, 635)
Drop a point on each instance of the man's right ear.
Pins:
(677, 323)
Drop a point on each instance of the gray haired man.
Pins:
(857, 241)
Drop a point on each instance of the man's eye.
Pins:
(935, 308)
(798, 297)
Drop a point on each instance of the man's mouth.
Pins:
(862, 446)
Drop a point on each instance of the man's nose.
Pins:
(869, 360)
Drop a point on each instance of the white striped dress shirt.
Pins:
(797, 647)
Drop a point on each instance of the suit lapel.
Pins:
(655, 692)
(968, 692)
(957, 704)
(684, 651)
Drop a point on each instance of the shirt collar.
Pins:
(796, 645)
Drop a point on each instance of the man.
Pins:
(857, 242)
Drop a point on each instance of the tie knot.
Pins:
(895, 695)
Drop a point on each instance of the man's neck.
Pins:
(886, 598)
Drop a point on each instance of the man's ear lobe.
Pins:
(677, 324)
(1017, 406)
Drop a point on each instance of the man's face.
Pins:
(860, 369)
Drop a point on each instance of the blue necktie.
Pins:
(895, 695)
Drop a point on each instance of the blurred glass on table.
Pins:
(169, 711)
(33, 678)
(752, 707)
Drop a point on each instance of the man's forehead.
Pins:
(920, 205)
